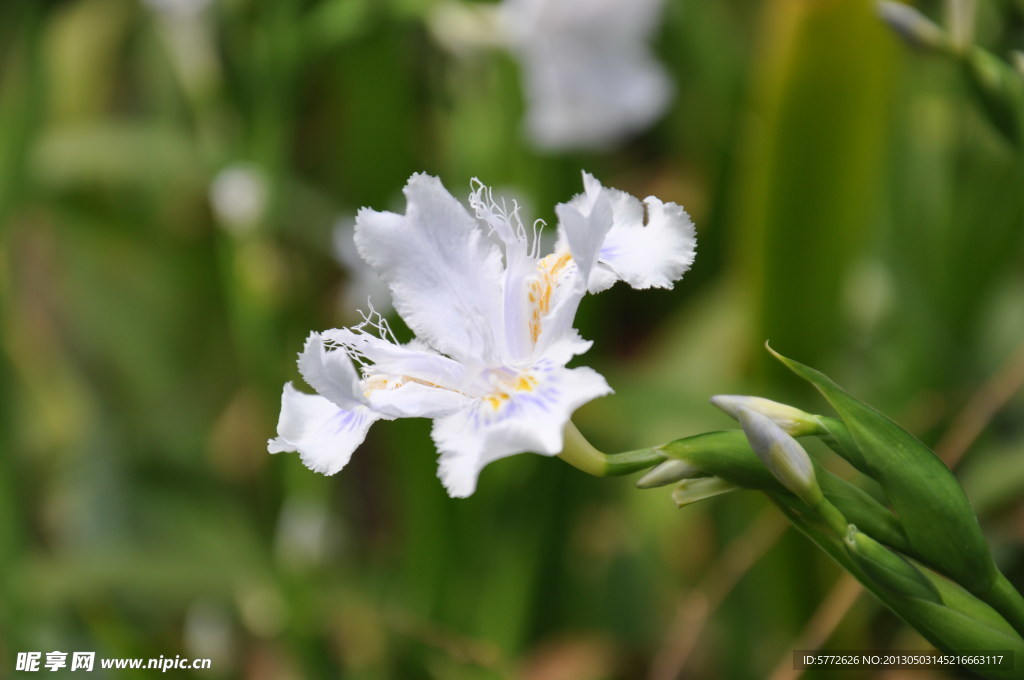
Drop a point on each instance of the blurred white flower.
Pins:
(208, 632)
(177, 8)
(238, 195)
(589, 76)
(301, 537)
(493, 323)
(588, 71)
(463, 28)
(187, 31)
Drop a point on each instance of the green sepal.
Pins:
(934, 511)
(690, 491)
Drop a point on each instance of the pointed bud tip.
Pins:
(792, 420)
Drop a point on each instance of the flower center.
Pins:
(549, 269)
(524, 382)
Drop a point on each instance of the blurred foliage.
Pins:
(854, 204)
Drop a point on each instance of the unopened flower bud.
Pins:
(668, 472)
(781, 454)
(888, 568)
(793, 421)
(692, 490)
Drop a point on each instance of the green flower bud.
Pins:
(887, 568)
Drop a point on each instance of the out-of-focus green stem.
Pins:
(582, 455)
(1008, 601)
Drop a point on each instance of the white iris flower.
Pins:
(589, 76)
(493, 323)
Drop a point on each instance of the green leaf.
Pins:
(793, 269)
(837, 437)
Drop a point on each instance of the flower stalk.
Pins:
(582, 455)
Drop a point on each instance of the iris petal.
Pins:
(324, 434)
(512, 422)
(443, 272)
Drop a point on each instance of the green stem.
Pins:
(832, 517)
(582, 455)
(633, 461)
(1005, 599)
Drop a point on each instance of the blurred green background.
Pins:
(854, 203)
